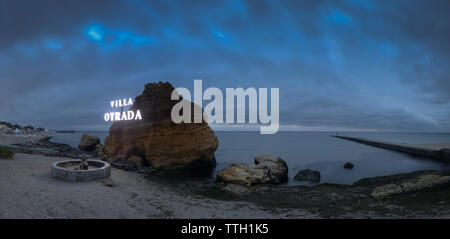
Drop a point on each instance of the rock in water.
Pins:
(308, 175)
(348, 165)
(278, 167)
(88, 142)
(267, 170)
(164, 145)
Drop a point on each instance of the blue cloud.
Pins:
(352, 61)
(339, 17)
(124, 37)
(95, 32)
(53, 45)
(109, 38)
(218, 34)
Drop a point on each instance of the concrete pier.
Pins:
(436, 151)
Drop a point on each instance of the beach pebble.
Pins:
(108, 182)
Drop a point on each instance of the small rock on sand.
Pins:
(109, 182)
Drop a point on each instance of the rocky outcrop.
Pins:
(164, 145)
(47, 148)
(88, 142)
(419, 183)
(308, 175)
(267, 170)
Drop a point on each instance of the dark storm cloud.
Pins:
(355, 63)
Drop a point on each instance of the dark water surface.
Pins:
(316, 151)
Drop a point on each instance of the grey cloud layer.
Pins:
(369, 64)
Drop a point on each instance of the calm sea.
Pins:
(316, 151)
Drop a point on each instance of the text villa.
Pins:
(123, 115)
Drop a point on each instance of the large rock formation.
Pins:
(163, 144)
(267, 170)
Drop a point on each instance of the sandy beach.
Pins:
(28, 191)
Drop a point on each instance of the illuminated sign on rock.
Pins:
(122, 115)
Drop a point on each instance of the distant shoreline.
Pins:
(66, 131)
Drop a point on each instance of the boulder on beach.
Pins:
(267, 170)
(308, 175)
(88, 142)
(348, 165)
(163, 144)
(278, 167)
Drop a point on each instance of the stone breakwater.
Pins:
(420, 150)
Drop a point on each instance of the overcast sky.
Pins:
(357, 64)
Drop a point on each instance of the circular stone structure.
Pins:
(67, 170)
